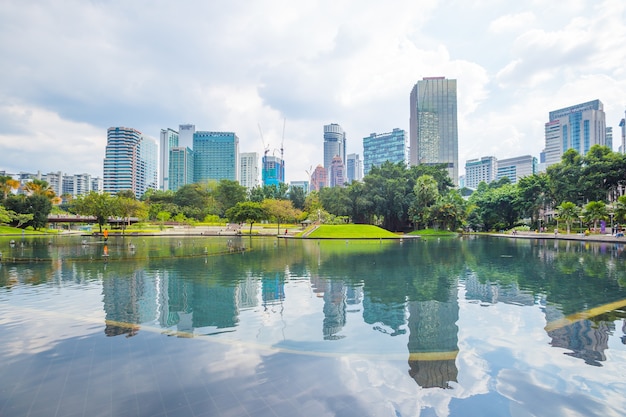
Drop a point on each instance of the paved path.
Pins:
(564, 236)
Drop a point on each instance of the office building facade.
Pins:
(577, 127)
(516, 168)
(622, 125)
(302, 184)
(185, 135)
(216, 156)
(354, 167)
(168, 139)
(249, 169)
(480, 170)
(379, 148)
(433, 127)
(334, 145)
(181, 167)
(130, 162)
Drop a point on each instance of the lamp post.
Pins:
(581, 224)
(611, 214)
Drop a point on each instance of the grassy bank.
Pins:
(351, 231)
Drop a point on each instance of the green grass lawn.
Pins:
(433, 232)
(351, 231)
(8, 230)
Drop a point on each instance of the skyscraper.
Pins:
(216, 156)
(577, 127)
(181, 167)
(167, 140)
(433, 130)
(249, 166)
(334, 145)
(378, 148)
(337, 172)
(319, 178)
(185, 135)
(130, 161)
(354, 167)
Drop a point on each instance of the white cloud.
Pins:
(512, 23)
(231, 66)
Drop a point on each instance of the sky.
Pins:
(284, 69)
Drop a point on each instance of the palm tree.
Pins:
(594, 211)
(568, 211)
(41, 187)
(7, 184)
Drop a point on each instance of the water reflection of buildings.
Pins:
(334, 294)
(585, 339)
(433, 341)
(182, 304)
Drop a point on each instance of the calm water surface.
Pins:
(265, 327)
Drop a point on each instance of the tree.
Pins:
(594, 211)
(568, 212)
(297, 197)
(563, 179)
(359, 203)
(37, 206)
(7, 184)
(129, 194)
(99, 205)
(280, 211)
(6, 215)
(195, 201)
(495, 208)
(602, 173)
(426, 194)
(390, 190)
(335, 200)
(126, 208)
(227, 194)
(246, 212)
(449, 211)
(620, 209)
(532, 195)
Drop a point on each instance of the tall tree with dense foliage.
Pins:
(359, 203)
(495, 207)
(533, 195)
(227, 194)
(99, 205)
(568, 212)
(297, 197)
(391, 194)
(563, 179)
(426, 193)
(37, 205)
(603, 172)
(335, 200)
(195, 201)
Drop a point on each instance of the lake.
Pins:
(240, 326)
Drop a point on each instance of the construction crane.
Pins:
(283, 140)
(266, 148)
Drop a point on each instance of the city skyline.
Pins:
(76, 71)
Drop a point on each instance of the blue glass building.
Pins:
(576, 127)
(378, 148)
(216, 156)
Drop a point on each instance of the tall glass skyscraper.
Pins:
(576, 127)
(433, 130)
(216, 156)
(378, 148)
(181, 167)
(168, 140)
(334, 145)
(130, 161)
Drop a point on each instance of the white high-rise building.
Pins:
(249, 169)
(480, 170)
(185, 135)
(517, 167)
(354, 168)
